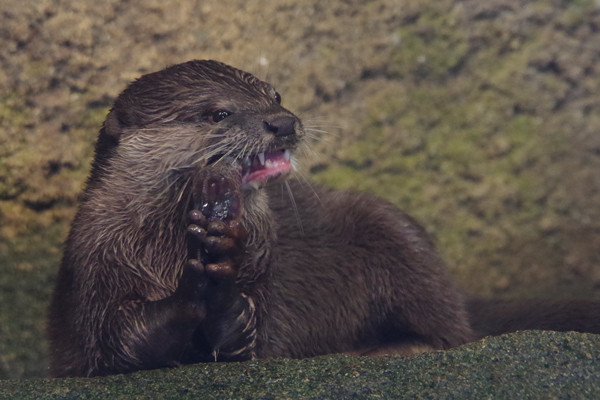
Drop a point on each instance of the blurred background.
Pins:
(481, 119)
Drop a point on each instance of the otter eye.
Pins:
(277, 98)
(219, 115)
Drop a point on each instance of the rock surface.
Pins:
(516, 366)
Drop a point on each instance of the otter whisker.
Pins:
(243, 153)
(314, 129)
(217, 149)
(320, 122)
(307, 150)
(316, 138)
(211, 151)
(225, 156)
(302, 178)
(253, 149)
(294, 207)
(221, 143)
(183, 190)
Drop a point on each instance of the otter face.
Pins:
(202, 114)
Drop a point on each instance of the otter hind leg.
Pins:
(432, 315)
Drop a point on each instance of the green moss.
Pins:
(13, 113)
(338, 177)
(525, 365)
(91, 122)
(466, 153)
(13, 117)
(431, 47)
(36, 70)
(27, 265)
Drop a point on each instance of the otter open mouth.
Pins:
(261, 168)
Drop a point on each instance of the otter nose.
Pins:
(281, 126)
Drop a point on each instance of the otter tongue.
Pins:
(263, 167)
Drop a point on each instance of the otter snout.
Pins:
(281, 126)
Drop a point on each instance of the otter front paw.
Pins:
(216, 240)
(223, 245)
(217, 236)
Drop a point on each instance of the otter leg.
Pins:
(167, 326)
(207, 317)
(217, 240)
(431, 314)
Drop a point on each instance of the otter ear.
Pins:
(112, 127)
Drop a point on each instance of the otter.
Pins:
(195, 242)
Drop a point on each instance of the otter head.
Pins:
(199, 116)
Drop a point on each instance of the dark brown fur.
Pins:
(155, 274)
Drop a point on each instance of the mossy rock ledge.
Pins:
(515, 366)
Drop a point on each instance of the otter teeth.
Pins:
(263, 160)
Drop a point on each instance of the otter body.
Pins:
(187, 246)
(337, 286)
